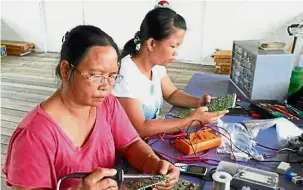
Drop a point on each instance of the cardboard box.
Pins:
(18, 48)
(222, 54)
(223, 60)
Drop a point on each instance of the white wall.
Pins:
(226, 21)
(193, 13)
(121, 19)
(211, 24)
(60, 17)
(21, 21)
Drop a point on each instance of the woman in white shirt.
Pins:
(146, 82)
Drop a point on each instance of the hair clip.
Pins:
(65, 36)
(137, 38)
(163, 4)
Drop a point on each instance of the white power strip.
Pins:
(252, 178)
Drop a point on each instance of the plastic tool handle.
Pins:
(118, 177)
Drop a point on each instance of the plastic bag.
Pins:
(239, 136)
(254, 126)
(285, 129)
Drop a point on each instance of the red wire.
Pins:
(196, 157)
(231, 149)
(181, 158)
(189, 159)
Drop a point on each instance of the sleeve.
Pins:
(123, 131)
(128, 87)
(28, 161)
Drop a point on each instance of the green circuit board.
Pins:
(221, 103)
(142, 184)
(181, 112)
(185, 185)
(145, 184)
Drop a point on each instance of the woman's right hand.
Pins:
(202, 114)
(97, 180)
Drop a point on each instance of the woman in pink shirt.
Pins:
(81, 126)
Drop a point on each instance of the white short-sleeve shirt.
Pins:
(136, 85)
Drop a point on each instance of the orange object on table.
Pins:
(201, 140)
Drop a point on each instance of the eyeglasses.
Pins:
(100, 79)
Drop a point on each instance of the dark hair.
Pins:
(158, 24)
(77, 43)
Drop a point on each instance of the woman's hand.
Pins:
(204, 100)
(154, 165)
(171, 172)
(97, 180)
(206, 117)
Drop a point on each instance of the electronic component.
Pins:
(250, 177)
(223, 102)
(252, 71)
(296, 142)
(203, 139)
(255, 180)
(283, 168)
(193, 170)
(142, 184)
(180, 112)
(297, 180)
(239, 156)
(186, 185)
(294, 178)
(220, 103)
(146, 183)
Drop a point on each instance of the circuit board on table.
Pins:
(221, 103)
(142, 184)
(146, 184)
(181, 112)
(186, 185)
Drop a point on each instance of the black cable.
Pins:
(267, 147)
(235, 187)
(180, 131)
(230, 140)
(191, 144)
(79, 175)
(208, 176)
(188, 127)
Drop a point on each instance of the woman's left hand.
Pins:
(204, 100)
(171, 172)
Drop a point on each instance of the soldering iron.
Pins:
(119, 177)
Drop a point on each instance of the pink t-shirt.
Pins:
(40, 153)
